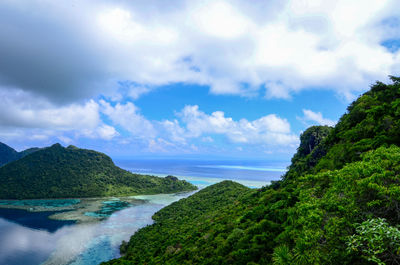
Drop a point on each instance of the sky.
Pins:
(187, 79)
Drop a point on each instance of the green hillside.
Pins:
(371, 121)
(339, 203)
(58, 172)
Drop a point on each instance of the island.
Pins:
(59, 172)
(76, 184)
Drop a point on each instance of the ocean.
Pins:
(252, 173)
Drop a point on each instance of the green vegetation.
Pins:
(58, 172)
(377, 241)
(180, 225)
(312, 148)
(371, 121)
(339, 202)
(8, 154)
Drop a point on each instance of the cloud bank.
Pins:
(72, 50)
(63, 64)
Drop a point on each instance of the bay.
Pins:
(32, 238)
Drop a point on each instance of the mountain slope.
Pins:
(338, 204)
(8, 154)
(177, 227)
(57, 172)
(371, 121)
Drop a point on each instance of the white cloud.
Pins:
(192, 123)
(236, 47)
(173, 131)
(24, 110)
(128, 117)
(220, 19)
(102, 131)
(65, 140)
(26, 115)
(207, 139)
(107, 132)
(136, 91)
(267, 130)
(316, 117)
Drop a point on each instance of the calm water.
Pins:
(31, 238)
(203, 173)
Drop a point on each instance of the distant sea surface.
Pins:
(201, 172)
(31, 238)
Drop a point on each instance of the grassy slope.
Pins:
(350, 176)
(57, 172)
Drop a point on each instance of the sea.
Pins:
(32, 238)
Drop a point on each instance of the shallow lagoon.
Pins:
(69, 243)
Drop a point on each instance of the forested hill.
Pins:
(371, 121)
(185, 225)
(58, 172)
(339, 203)
(8, 154)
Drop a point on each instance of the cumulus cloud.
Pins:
(316, 117)
(267, 130)
(128, 117)
(24, 110)
(192, 123)
(174, 131)
(23, 115)
(235, 47)
(107, 132)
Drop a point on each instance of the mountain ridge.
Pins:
(9, 154)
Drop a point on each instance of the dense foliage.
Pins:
(339, 203)
(178, 227)
(8, 154)
(310, 151)
(371, 121)
(376, 241)
(58, 172)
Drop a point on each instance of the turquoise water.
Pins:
(42, 203)
(108, 208)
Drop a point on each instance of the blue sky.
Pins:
(187, 79)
